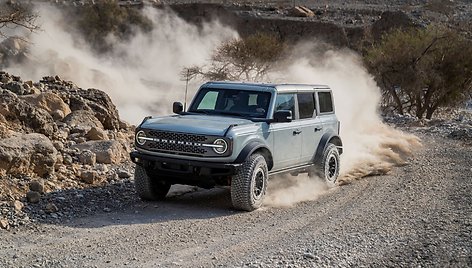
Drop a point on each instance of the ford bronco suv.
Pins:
(237, 135)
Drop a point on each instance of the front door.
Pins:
(287, 136)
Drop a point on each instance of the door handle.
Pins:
(296, 132)
(318, 129)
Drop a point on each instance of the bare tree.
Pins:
(14, 15)
(249, 59)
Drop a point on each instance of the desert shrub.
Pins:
(249, 59)
(420, 70)
(106, 17)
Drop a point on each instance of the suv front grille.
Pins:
(176, 143)
(177, 136)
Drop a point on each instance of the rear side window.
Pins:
(306, 105)
(326, 102)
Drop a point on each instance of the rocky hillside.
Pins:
(340, 23)
(55, 136)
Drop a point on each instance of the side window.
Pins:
(306, 105)
(326, 102)
(285, 102)
(208, 101)
(253, 99)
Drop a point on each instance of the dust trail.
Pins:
(286, 190)
(140, 75)
(370, 146)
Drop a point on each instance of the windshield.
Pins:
(244, 103)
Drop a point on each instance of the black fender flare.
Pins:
(250, 148)
(325, 140)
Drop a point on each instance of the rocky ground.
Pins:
(419, 215)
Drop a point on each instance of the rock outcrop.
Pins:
(59, 134)
(27, 154)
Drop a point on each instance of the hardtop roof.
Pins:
(265, 86)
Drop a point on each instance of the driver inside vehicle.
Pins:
(262, 103)
(240, 102)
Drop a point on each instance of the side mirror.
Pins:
(283, 116)
(177, 107)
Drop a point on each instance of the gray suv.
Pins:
(237, 135)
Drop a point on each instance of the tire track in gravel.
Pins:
(262, 235)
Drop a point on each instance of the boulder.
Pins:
(33, 197)
(99, 103)
(123, 174)
(107, 152)
(83, 119)
(15, 87)
(17, 205)
(4, 224)
(36, 186)
(49, 102)
(89, 176)
(300, 11)
(33, 119)
(27, 153)
(96, 134)
(51, 208)
(87, 157)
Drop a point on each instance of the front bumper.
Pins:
(174, 167)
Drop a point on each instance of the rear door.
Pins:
(326, 112)
(310, 125)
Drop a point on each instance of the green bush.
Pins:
(420, 70)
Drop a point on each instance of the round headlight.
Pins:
(140, 137)
(221, 146)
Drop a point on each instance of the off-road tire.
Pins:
(249, 185)
(328, 165)
(149, 189)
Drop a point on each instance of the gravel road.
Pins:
(419, 215)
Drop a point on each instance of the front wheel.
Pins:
(149, 189)
(249, 185)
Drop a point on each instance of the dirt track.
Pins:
(420, 215)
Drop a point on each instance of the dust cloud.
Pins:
(370, 147)
(142, 75)
(142, 78)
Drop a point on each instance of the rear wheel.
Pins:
(149, 189)
(328, 165)
(249, 185)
